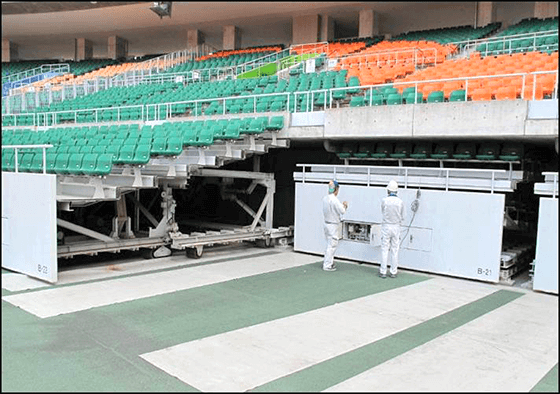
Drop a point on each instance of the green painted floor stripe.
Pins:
(549, 383)
(98, 349)
(338, 369)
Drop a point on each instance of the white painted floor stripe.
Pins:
(126, 266)
(246, 358)
(57, 301)
(18, 282)
(507, 350)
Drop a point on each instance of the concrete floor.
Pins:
(249, 319)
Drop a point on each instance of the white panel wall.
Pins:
(454, 233)
(546, 259)
(29, 224)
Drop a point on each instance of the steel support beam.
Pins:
(83, 230)
(143, 209)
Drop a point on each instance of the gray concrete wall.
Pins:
(479, 120)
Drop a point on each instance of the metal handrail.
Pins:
(36, 146)
(445, 173)
(500, 38)
(312, 93)
(35, 71)
(370, 88)
(469, 45)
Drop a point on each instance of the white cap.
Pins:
(392, 186)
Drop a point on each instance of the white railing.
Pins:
(469, 45)
(419, 57)
(50, 118)
(160, 63)
(135, 75)
(369, 89)
(44, 147)
(432, 177)
(45, 68)
(234, 71)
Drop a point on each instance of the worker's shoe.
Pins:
(393, 275)
(333, 268)
(383, 276)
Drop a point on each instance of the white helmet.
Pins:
(392, 186)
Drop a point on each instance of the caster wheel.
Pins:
(195, 253)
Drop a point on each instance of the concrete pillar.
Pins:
(306, 29)
(485, 13)
(83, 49)
(546, 9)
(327, 28)
(194, 38)
(117, 47)
(232, 38)
(9, 51)
(368, 25)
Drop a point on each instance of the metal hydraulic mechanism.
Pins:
(259, 230)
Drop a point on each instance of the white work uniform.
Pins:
(333, 210)
(393, 212)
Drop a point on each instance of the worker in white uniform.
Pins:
(333, 210)
(392, 209)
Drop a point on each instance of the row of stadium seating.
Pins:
(217, 62)
(546, 43)
(428, 150)
(252, 50)
(93, 150)
(484, 87)
(450, 34)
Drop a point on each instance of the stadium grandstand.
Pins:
(163, 171)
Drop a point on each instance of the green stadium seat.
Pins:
(75, 163)
(511, 152)
(488, 151)
(436, 97)
(26, 161)
(159, 146)
(382, 149)
(125, 154)
(142, 154)
(357, 101)
(89, 163)
(114, 151)
(276, 123)
(346, 150)
(50, 162)
(61, 164)
(189, 136)
(204, 138)
(104, 164)
(174, 146)
(413, 98)
(457, 95)
(394, 98)
(7, 160)
(442, 151)
(402, 150)
(464, 151)
(255, 127)
(422, 150)
(99, 149)
(277, 106)
(364, 150)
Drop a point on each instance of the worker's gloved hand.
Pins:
(345, 203)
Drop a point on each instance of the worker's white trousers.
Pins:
(332, 236)
(390, 237)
